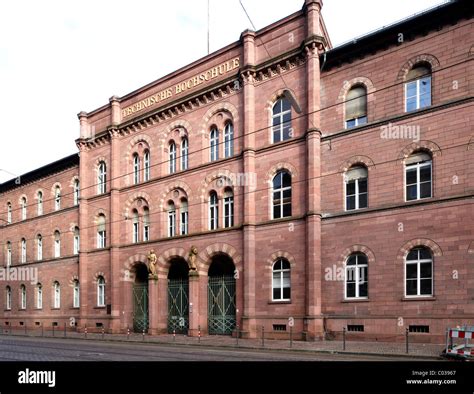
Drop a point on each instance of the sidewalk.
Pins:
(329, 346)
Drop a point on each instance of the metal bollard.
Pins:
(103, 332)
(237, 336)
(128, 333)
(143, 335)
(25, 329)
(53, 330)
(64, 330)
(291, 337)
(199, 334)
(406, 340)
(174, 335)
(85, 331)
(263, 336)
(344, 338)
(42, 330)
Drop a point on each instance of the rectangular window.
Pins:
(418, 94)
(355, 327)
(418, 181)
(420, 329)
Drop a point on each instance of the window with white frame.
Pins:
(100, 291)
(213, 211)
(146, 166)
(281, 284)
(39, 247)
(135, 225)
(356, 106)
(184, 217)
(23, 250)
(136, 168)
(23, 297)
(57, 244)
(23, 208)
(76, 241)
(40, 203)
(76, 192)
(355, 180)
(8, 300)
(172, 159)
(281, 120)
(214, 144)
(9, 213)
(39, 296)
(419, 272)
(228, 140)
(418, 88)
(228, 208)
(56, 295)
(356, 276)
(101, 178)
(101, 232)
(171, 219)
(57, 198)
(76, 300)
(184, 154)
(418, 175)
(146, 224)
(9, 254)
(281, 194)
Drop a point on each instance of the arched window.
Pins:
(356, 106)
(39, 247)
(57, 198)
(356, 276)
(146, 166)
(23, 208)
(171, 219)
(56, 295)
(23, 250)
(214, 144)
(76, 241)
(40, 203)
(281, 195)
(281, 284)
(184, 154)
(8, 291)
(356, 188)
(213, 211)
(184, 216)
(281, 120)
(135, 225)
(418, 88)
(101, 178)
(39, 296)
(100, 291)
(419, 272)
(418, 168)
(101, 233)
(9, 254)
(136, 169)
(76, 192)
(228, 140)
(57, 244)
(76, 301)
(172, 153)
(23, 297)
(228, 208)
(9, 213)
(146, 224)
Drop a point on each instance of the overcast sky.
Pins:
(60, 57)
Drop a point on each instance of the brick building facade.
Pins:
(319, 187)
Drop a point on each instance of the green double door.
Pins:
(221, 304)
(178, 306)
(140, 308)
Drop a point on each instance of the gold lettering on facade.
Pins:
(181, 87)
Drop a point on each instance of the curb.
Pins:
(243, 347)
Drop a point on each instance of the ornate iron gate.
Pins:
(221, 304)
(140, 307)
(178, 306)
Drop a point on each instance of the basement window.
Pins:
(279, 327)
(419, 329)
(99, 325)
(355, 327)
(55, 323)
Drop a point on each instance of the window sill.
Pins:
(279, 302)
(100, 307)
(76, 307)
(349, 300)
(55, 309)
(419, 298)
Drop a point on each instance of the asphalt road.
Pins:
(49, 349)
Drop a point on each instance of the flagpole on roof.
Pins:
(208, 23)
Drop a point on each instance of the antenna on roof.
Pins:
(208, 23)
